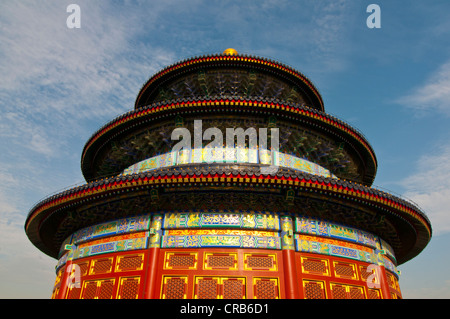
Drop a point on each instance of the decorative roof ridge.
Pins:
(220, 56)
(283, 174)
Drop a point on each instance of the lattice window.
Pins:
(55, 293)
(206, 288)
(315, 266)
(128, 288)
(129, 263)
(392, 281)
(265, 288)
(73, 293)
(95, 289)
(345, 270)
(356, 292)
(84, 267)
(174, 287)
(89, 290)
(220, 261)
(364, 273)
(59, 275)
(397, 286)
(314, 289)
(260, 262)
(105, 291)
(340, 291)
(219, 287)
(101, 266)
(180, 261)
(233, 288)
(374, 294)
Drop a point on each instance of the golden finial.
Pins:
(230, 51)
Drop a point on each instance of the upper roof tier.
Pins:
(230, 73)
(303, 132)
(230, 90)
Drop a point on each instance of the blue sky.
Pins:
(59, 85)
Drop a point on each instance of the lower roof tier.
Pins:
(231, 187)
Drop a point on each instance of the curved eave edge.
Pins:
(230, 58)
(135, 115)
(345, 189)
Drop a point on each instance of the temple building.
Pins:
(173, 207)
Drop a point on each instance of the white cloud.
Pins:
(440, 291)
(7, 200)
(433, 94)
(329, 33)
(16, 254)
(53, 82)
(50, 74)
(7, 205)
(429, 187)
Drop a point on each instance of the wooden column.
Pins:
(287, 245)
(65, 280)
(151, 290)
(384, 283)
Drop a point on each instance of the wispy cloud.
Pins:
(430, 188)
(51, 74)
(16, 252)
(54, 83)
(329, 33)
(433, 95)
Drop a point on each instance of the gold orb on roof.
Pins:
(230, 51)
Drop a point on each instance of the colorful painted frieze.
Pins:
(67, 241)
(184, 157)
(293, 162)
(167, 159)
(156, 231)
(121, 226)
(228, 155)
(342, 249)
(389, 265)
(62, 261)
(287, 233)
(164, 160)
(221, 219)
(220, 232)
(230, 241)
(388, 249)
(265, 157)
(311, 226)
(133, 241)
